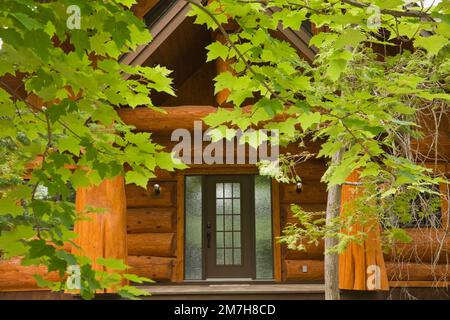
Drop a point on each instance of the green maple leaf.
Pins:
(217, 50)
(137, 178)
(433, 44)
(350, 37)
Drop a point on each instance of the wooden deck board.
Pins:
(208, 289)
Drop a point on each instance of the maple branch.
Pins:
(232, 44)
(394, 13)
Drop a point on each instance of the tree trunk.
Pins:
(331, 264)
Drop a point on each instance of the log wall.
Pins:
(152, 232)
(15, 277)
(304, 266)
(151, 228)
(425, 258)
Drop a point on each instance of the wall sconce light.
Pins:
(299, 187)
(157, 189)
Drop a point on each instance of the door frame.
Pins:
(247, 225)
(178, 273)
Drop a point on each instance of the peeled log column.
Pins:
(104, 235)
(361, 260)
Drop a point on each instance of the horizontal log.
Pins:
(311, 170)
(145, 119)
(15, 277)
(427, 245)
(155, 268)
(417, 272)
(179, 117)
(165, 139)
(313, 191)
(224, 169)
(295, 270)
(143, 220)
(311, 252)
(138, 197)
(151, 244)
(190, 149)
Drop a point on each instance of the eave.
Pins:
(177, 13)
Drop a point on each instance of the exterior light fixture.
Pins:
(299, 187)
(157, 189)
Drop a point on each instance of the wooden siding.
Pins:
(152, 229)
(300, 266)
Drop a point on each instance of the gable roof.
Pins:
(168, 16)
(161, 29)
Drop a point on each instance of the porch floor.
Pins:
(236, 291)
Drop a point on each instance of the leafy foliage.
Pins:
(364, 93)
(60, 89)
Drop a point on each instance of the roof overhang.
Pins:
(177, 13)
(160, 31)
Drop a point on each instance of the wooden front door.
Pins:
(228, 227)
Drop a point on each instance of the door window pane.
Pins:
(229, 256)
(236, 239)
(236, 206)
(219, 190)
(236, 222)
(228, 204)
(229, 223)
(219, 222)
(236, 190)
(229, 240)
(237, 257)
(219, 240)
(219, 206)
(220, 255)
(227, 190)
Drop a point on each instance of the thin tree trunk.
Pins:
(331, 263)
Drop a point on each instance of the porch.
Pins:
(253, 291)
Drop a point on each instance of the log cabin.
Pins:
(212, 229)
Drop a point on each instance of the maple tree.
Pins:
(379, 65)
(79, 84)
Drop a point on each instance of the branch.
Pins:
(394, 13)
(233, 46)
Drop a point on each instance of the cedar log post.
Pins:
(104, 234)
(361, 266)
